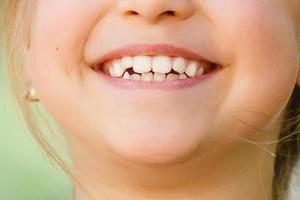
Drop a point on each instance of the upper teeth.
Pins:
(162, 64)
(179, 65)
(142, 64)
(157, 68)
(127, 62)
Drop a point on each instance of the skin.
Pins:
(154, 144)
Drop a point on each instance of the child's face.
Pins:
(255, 42)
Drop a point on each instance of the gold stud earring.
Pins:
(30, 94)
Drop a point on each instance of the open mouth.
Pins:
(155, 68)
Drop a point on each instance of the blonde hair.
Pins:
(15, 22)
(16, 29)
(16, 25)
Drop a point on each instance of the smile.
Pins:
(154, 66)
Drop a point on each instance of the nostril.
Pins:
(169, 12)
(131, 13)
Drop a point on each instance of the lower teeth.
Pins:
(129, 74)
(148, 77)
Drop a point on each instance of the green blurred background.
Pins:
(25, 172)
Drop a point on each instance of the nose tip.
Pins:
(155, 10)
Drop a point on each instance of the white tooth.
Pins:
(136, 77)
(200, 71)
(142, 64)
(191, 70)
(171, 77)
(127, 62)
(126, 76)
(162, 64)
(159, 77)
(182, 76)
(119, 70)
(179, 65)
(147, 76)
(112, 72)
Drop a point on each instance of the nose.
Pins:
(153, 11)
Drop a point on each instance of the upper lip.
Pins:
(150, 50)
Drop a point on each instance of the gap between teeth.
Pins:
(157, 68)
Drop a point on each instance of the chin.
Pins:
(162, 144)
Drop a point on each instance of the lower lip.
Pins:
(163, 85)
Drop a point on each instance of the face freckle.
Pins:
(57, 49)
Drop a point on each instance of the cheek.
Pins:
(59, 32)
(58, 36)
(264, 69)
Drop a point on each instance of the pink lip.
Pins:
(150, 50)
